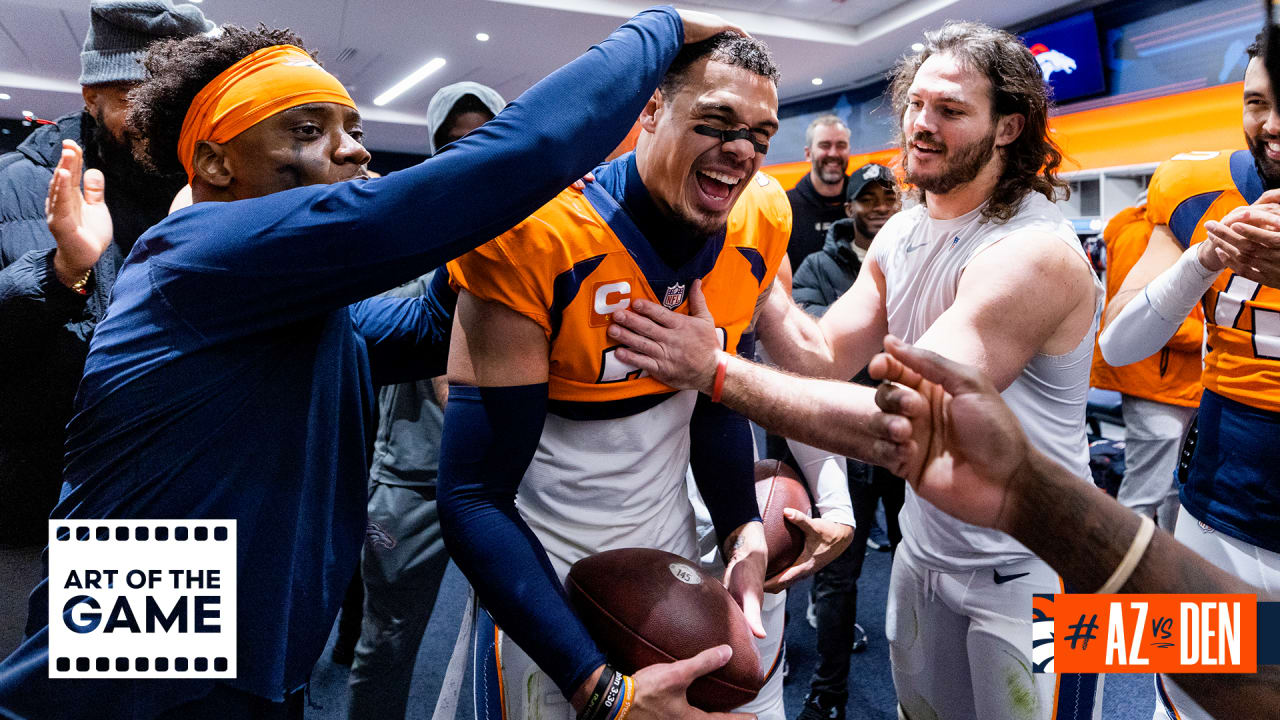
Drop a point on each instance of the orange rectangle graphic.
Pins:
(1082, 633)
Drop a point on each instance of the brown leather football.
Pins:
(778, 487)
(646, 606)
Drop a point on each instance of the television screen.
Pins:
(1067, 51)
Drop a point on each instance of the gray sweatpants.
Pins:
(403, 563)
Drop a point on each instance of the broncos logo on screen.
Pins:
(1052, 61)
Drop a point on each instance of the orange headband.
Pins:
(255, 88)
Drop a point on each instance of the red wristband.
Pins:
(722, 364)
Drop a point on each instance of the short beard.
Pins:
(830, 177)
(964, 167)
(113, 157)
(1268, 169)
(698, 227)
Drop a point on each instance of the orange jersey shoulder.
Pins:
(1193, 187)
(567, 269)
(1242, 318)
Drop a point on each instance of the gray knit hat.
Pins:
(121, 30)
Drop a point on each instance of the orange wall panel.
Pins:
(1152, 130)
(1142, 131)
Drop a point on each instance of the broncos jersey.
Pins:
(1242, 360)
(610, 467)
(1232, 487)
(580, 258)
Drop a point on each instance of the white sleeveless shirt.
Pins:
(922, 259)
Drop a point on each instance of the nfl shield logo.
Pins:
(674, 296)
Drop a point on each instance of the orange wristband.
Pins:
(722, 364)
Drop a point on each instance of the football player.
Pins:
(986, 269)
(598, 450)
(1231, 501)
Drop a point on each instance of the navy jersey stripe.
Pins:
(626, 407)
(1244, 173)
(754, 257)
(1186, 217)
(655, 271)
(566, 286)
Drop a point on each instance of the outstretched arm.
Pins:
(259, 263)
(835, 346)
(832, 415)
(972, 460)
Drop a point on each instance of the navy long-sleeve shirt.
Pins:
(232, 376)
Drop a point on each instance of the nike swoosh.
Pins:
(1002, 579)
(913, 248)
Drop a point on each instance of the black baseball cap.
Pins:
(865, 175)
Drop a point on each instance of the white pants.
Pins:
(1254, 565)
(1153, 436)
(960, 645)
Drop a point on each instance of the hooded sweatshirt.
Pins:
(448, 96)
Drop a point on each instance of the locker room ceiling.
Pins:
(372, 44)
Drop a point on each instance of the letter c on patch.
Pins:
(612, 297)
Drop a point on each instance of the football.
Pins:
(646, 606)
(779, 487)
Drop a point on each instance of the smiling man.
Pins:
(817, 200)
(597, 450)
(234, 375)
(1197, 202)
(985, 270)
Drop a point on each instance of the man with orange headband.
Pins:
(234, 374)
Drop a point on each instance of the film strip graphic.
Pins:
(142, 599)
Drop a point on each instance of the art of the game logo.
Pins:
(142, 598)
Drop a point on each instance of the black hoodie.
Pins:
(811, 215)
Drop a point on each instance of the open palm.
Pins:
(78, 218)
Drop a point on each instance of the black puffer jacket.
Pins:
(826, 275)
(44, 326)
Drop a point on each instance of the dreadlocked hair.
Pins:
(177, 70)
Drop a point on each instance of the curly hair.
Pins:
(726, 47)
(177, 70)
(1031, 161)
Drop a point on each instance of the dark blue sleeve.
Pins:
(490, 435)
(241, 267)
(33, 301)
(408, 337)
(722, 456)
